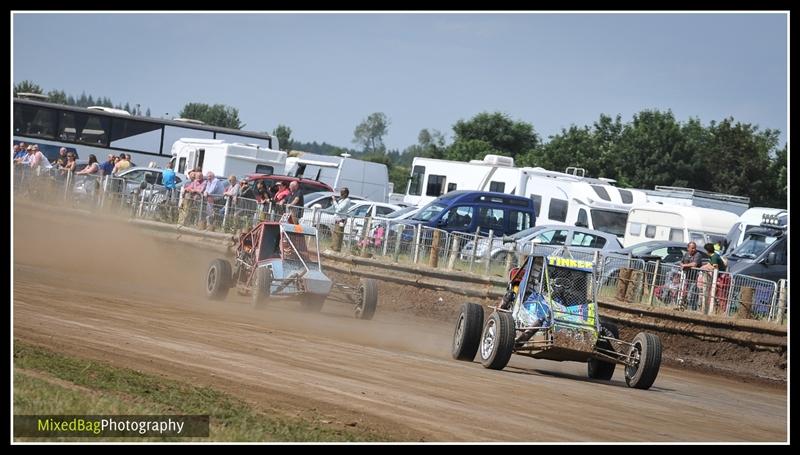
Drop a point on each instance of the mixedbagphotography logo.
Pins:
(146, 426)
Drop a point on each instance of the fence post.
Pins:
(397, 239)
(385, 239)
(488, 255)
(781, 300)
(509, 257)
(453, 252)
(712, 298)
(225, 213)
(653, 283)
(474, 249)
(417, 238)
(433, 261)
(365, 237)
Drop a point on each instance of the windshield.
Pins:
(754, 245)
(429, 212)
(401, 212)
(609, 221)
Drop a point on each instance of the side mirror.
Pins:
(441, 222)
(316, 206)
(537, 241)
(582, 224)
(771, 258)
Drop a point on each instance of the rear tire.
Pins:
(601, 369)
(646, 353)
(368, 293)
(497, 340)
(218, 279)
(467, 335)
(262, 288)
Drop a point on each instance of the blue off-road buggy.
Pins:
(550, 312)
(274, 259)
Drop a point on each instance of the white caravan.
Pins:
(225, 159)
(653, 221)
(571, 199)
(363, 178)
(559, 198)
(753, 217)
(431, 177)
(689, 197)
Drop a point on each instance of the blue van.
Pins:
(472, 211)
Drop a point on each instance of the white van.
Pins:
(752, 217)
(676, 223)
(363, 178)
(225, 159)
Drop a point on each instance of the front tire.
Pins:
(218, 279)
(368, 299)
(646, 357)
(262, 288)
(497, 340)
(467, 335)
(601, 369)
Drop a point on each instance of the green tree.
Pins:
(56, 96)
(738, 161)
(498, 131)
(217, 115)
(27, 87)
(369, 133)
(432, 143)
(284, 135)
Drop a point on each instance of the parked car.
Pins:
(582, 241)
(656, 250)
(475, 211)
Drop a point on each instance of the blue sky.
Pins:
(322, 74)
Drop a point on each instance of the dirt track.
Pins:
(104, 291)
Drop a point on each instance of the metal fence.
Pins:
(618, 278)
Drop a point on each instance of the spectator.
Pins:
(62, 156)
(168, 179)
(122, 164)
(246, 190)
(193, 193)
(341, 206)
(71, 164)
(19, 152)
(296, 200)
(39, 161)
(213, 194)
(691, 260)
(130, 160)
(281, 196)
(108, 166)
(92, 168)
(26, 158)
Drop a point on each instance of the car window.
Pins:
(380, 210)
(134, 177)
(361, 210)
(554, 237)
(458, 217)
(660, 252)
(587, 240)
(491, 218)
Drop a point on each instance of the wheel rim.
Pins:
(634, 357)
(489, 335)
(459, 332)
(212, 279)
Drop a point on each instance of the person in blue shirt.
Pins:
(168, 179)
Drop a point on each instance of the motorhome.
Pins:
(224, 159)
(431, 177)
(653, 221)
(559, 197)
(690, 197)
(575, 200)
(364, 178)
(752, 218)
